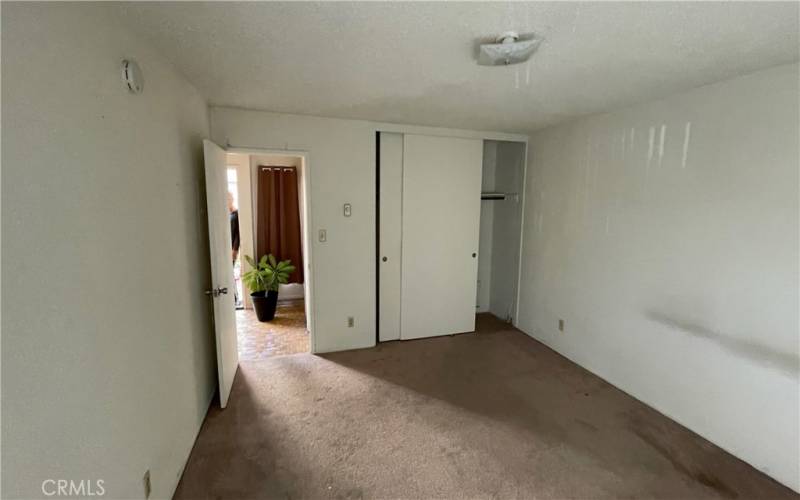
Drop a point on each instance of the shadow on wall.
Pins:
(785, 362)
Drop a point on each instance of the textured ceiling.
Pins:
(415, 62)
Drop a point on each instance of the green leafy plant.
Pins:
(267, 274)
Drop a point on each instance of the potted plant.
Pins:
(263, 280)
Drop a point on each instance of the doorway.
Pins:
(270, 206)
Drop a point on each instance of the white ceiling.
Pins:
(415, 62)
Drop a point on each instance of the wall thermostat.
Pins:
(132, 76)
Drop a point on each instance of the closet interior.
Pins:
(500, 228)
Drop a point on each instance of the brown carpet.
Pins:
(488, 415)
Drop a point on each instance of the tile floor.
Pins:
(286, 334)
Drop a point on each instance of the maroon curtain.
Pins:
(278, 217)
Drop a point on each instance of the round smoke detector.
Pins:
(132, 76)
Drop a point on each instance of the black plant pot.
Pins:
(265, 304)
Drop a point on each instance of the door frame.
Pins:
(308, 224)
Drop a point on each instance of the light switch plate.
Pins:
(323, 236)
(348, 210)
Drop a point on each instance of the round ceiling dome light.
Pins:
(132, 76)
(508, 48)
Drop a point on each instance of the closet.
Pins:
(500, 228)
(433, 226)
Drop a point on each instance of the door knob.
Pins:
(385, 259)
(474, 255)
(216, 292)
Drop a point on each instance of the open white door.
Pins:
(221, 293)
(441, 225)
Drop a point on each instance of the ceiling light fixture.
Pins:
(508, 48)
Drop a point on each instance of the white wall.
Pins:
(341, 169)
(675, 267)
(341, 165)
(107, 352)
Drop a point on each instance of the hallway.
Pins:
(492, 414)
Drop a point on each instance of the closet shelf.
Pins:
(493, 195)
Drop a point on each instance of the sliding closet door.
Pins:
(390, 179)
(441, 223)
